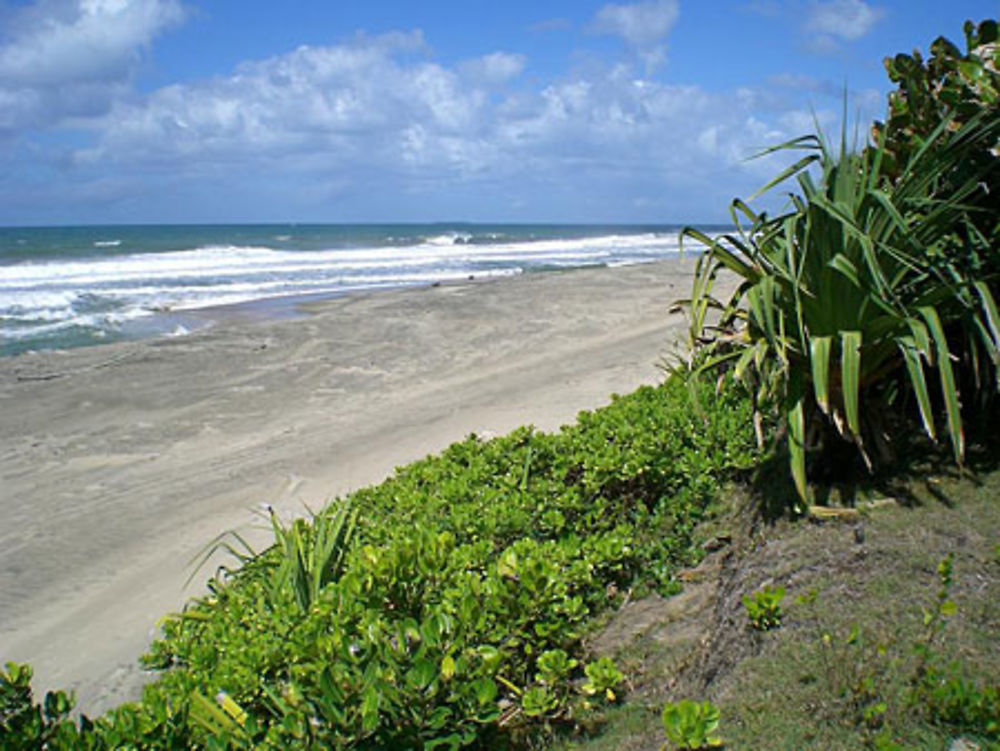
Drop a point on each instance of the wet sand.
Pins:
(118, 464)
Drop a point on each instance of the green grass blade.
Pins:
(811, 142)
(302, 565)
(986, 338)
(891, 213)
(206, 713)
(850, 363)
(332, 530)
(243, 554)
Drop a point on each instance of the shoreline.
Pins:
(79, 286)
(122, 461)
(163, 324)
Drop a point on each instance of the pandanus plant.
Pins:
(855, 297)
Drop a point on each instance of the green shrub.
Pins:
(25, 724)
(555, 667)
(443, 608)
(952, 88)
(948, 86)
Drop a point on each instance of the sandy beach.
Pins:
(118, 464)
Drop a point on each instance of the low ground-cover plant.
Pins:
(880, 680)
(23, 723)
(691, 725)
(946, 696)
(603, 677)
(764, 607)
(449, 614)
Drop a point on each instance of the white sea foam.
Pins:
(96, 321)
(449, 238)
(34, 302)
(106, 292)
(229, 260)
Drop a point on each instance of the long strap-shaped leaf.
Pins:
(819, 357)
(797, 434)
(846, 267)
(752, 354)
(948, 389)
(332, 531)
(723, 254)
(800, 165)
(921, 339)
(850, 364)
(911, 356)
(992, 318)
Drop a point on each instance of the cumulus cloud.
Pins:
(351, 102)
(375, 127)
(843, 19)
(368, 120)
(643, 26)
(65, 58)
(363, 101)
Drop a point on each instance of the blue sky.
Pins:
(253, 111)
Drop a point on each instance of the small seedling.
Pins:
(537, 701)
(691, 725)
(764, 608)
(554, 667)
(602, 678)
(807, 599)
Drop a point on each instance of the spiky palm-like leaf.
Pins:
(312, 553)
(858, 289)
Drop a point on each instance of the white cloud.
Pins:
(769, 8)
(62, 58)
(494, 68)
(643, 26)
(357, 102)
(551, 25)
(845, 19)
(376, 128)
(366, 114)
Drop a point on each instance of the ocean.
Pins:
(63, 287)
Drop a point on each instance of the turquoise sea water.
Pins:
(66, 287)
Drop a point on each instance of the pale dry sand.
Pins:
(119, 463)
